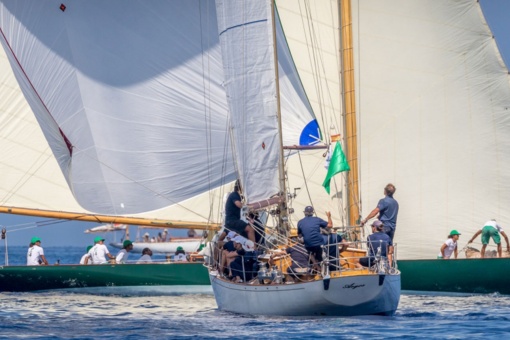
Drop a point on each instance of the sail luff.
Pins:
(350, 111)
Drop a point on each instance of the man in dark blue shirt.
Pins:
(387, 208)
(310, 229)
(377, 240)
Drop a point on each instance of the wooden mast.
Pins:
(282, 205)
(350, 111)
(108, 219)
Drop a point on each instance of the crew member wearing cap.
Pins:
(449, 246)
(491, 230)
(99, 252)
(228, 252)
(35, 254)
(310, 229)
(242, 266)
(377, 240)
(233, 221)
(387, 209)
(86, 255)
(122, 255)
(180, 255)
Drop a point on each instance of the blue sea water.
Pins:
(127, 315)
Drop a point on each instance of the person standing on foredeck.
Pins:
(35, 253)
(387, 209)
(491, 230)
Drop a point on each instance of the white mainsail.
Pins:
(434, 98)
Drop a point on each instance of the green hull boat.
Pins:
(469, 276)
(161, 277)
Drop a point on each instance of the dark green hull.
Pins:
(471, 276)
(24, 278)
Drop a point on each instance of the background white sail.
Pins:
(433, 102)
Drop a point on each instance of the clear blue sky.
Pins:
(66, 233)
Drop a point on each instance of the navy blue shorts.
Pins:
(237, 226)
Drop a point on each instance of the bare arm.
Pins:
(443, 247)
(476, 234)
(390, 255)
(372, 214)
(238, 204)
(506, 239)
(46, 262)
(455, 252)
(330, 221)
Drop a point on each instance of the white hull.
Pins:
(346, 296)
(189, 246)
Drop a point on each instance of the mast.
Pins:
(108, 219)
(350, 111)
(282, 205)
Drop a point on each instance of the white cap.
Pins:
(231, 234)
(249, 245)
(239, 239)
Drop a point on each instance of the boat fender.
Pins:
(381, 279)
(325, 281)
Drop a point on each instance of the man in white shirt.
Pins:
(122, 256)
(491, 230)
(99, 252)
(35, 254)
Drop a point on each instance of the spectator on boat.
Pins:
(309, 228)
(449, 246)
(491, 230)
(228, 253)
(146, 256)
(159, 238)
(122, 255)
(192, 233)
(146, 237)
(180, 255)
(233, 221)
(82, 261)
(164, 235)
(377, 240)
(99, 252)
(242, 265)
(387, 209)
(35, 254)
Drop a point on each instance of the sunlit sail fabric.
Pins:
(140, 103)
(246, 38)
(434, 98)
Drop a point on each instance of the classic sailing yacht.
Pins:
(247, 36)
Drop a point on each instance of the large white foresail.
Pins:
(434, 99)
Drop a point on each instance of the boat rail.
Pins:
(275, 266)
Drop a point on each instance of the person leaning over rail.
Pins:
(449, 246)
(387, 209)
(491, 230)
(35, 253)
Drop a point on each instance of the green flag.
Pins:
(337, 164)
